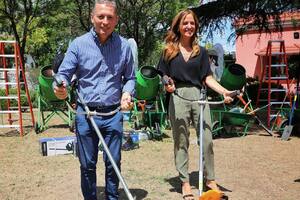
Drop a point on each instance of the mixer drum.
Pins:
(233, 77)
(147, 83)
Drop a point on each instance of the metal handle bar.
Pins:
(202, 100)
(209, 102)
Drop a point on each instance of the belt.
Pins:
(102, 109)
(188, 85)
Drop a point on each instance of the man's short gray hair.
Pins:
(110, 2)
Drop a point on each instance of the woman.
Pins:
(187, 65)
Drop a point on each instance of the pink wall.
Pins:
(251, 43)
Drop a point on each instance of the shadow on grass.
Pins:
(39, 129)
(194, 179)
(175, 182)
(138, 194)
(230, 131)
(13, 132)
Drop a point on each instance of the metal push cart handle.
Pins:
(58, 81)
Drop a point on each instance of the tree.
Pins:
(19, 14)
(53, 33)
(39, 26)
(147, 22)
(250, 13)
(83, 9)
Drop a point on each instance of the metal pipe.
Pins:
(202, 97)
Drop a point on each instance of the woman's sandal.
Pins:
(212, 185)
(188, 197)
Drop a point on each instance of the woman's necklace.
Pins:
(186, 53)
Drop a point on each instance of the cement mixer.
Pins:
(147, 83)
(240, 113)
(233, 77)
(48, 104)
(149, 111)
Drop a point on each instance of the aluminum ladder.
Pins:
(13, 78)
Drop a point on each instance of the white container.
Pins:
(143, 135)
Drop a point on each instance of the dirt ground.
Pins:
(254, 167)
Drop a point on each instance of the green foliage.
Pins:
(43, 27)
(14, 103)
(37, 39)
(252, 14)
(153, 58)
(229, 59)
(147, 22)
(294, 66)
(295, 22)
(19, 16)
(59, 28)
(39, 24)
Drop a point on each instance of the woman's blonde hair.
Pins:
(172, 38)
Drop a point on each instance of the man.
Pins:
(213, 61)
(133, 46)
(103, 63)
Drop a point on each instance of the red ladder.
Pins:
(275, 73)
(11, 62)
